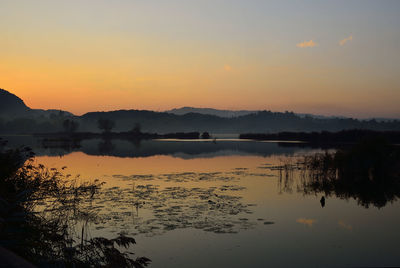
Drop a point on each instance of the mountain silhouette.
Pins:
(259, 122)
(237, 113)
(11, 104)
(210, 111)
(17, 118)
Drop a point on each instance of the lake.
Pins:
(223, 203)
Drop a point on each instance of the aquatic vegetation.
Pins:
(184, 177)
(211, 202)
(212, 209)
(369, 172)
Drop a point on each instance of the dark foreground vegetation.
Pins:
(324, 137)
(369, 172)
(40, 210)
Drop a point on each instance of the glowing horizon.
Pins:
(336, 58)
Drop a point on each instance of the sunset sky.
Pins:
(322, 57)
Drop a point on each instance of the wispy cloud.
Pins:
(344, 41)
(308, 222)
(305, 44)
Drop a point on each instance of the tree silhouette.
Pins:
(137, 129)
(205, 135)
(70, 126)
(105, 124)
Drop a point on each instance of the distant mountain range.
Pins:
(235, 113)
(210, 111)
(16, 117)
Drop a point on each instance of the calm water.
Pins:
(205, 204)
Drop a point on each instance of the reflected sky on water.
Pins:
(191, 204)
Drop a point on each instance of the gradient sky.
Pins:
(323, 57)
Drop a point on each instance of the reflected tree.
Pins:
(105, 147)
(205, 135)
(369, 172)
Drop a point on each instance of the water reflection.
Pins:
(168, 195)
(105, 147)
(368, 173)
(345, 225)
(306, 222)
(322, 201)
(147, 148)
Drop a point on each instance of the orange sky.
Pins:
(82, 57)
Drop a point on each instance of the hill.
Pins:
(259, 122)
(11, 104)
(16, 117)
(210, 111)
(237, 113)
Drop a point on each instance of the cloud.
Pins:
(344, 41)
(305, 44)
(227, 67)
(308, 222)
